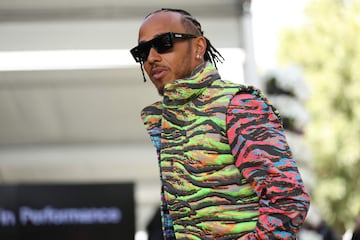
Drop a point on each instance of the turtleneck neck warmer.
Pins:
(182, 90)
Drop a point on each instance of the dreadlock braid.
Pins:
(194, 27)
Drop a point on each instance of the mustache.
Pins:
(156, 65)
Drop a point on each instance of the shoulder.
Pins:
(151, 110)
(251, 99)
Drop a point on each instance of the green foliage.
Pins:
(327, 46)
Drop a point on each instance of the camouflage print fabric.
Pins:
(206, 192)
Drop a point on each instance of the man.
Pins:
(225, 166)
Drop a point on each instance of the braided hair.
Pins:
(193, 26)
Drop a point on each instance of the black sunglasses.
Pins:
(161, 44)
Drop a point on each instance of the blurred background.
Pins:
(71, 94)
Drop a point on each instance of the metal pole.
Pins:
(250, 68)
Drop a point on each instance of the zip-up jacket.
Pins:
(226, 169)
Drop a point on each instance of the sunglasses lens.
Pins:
(163, 43)
(144, 52)
(141, 52)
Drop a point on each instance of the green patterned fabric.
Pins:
(203, 191)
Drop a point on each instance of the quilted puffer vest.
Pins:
(204, 193)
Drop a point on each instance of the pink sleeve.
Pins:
(263, 156)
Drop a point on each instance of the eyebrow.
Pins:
(142, 42)
(157, 35)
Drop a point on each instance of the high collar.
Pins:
(182, 90)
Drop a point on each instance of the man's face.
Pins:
(174, 64)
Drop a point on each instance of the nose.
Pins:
(153, 56)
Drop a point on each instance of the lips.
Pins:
(158, 73)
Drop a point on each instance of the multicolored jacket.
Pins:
(225, 166)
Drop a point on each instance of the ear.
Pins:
(200, 47)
